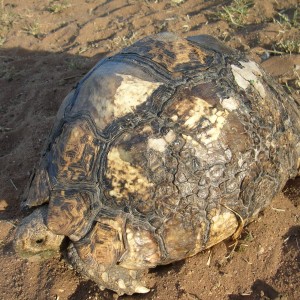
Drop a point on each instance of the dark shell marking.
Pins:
(157, 151)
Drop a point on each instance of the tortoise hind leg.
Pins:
(115, 277)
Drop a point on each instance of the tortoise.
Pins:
(160, 151)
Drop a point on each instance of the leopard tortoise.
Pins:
(160, 151)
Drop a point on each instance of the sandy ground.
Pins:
(46, 47)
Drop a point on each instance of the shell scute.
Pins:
(75, 153)
(72, 212)
(103, 245)
(174, 54)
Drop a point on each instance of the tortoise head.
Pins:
(33, 239)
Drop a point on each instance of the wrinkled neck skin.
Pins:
(34, 240)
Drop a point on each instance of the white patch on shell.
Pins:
(157, 144)
(248, 75)
(131, 93)
(161, 144)
(170, 136)
(111, 90)
(217, 119)
(201, 113)
(252, 66)
(200, 151)
(229, 103)
(199, 110)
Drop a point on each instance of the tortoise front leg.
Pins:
(115, 277)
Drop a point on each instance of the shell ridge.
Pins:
(147, 65)
(80, 83)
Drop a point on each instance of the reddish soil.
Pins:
(46, 47)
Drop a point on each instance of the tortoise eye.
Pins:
(39, 241)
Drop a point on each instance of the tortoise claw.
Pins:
(141, 289)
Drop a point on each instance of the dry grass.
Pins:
(7, 19)
(235, 14)
(120, 42)
(57, 7)
(288, 46)
(75, 64)
(288, 22)
(116, 43)
(288, 43)
(33, 29)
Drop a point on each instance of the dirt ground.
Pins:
(47, 46)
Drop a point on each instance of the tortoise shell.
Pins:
(161, 151)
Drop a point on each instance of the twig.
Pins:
(4, 129)
(13, 184)
(71, 77)
(276, 52)
(278, 209)
(234, 245)
(247, 261)
(9, 222)
(209, 258)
